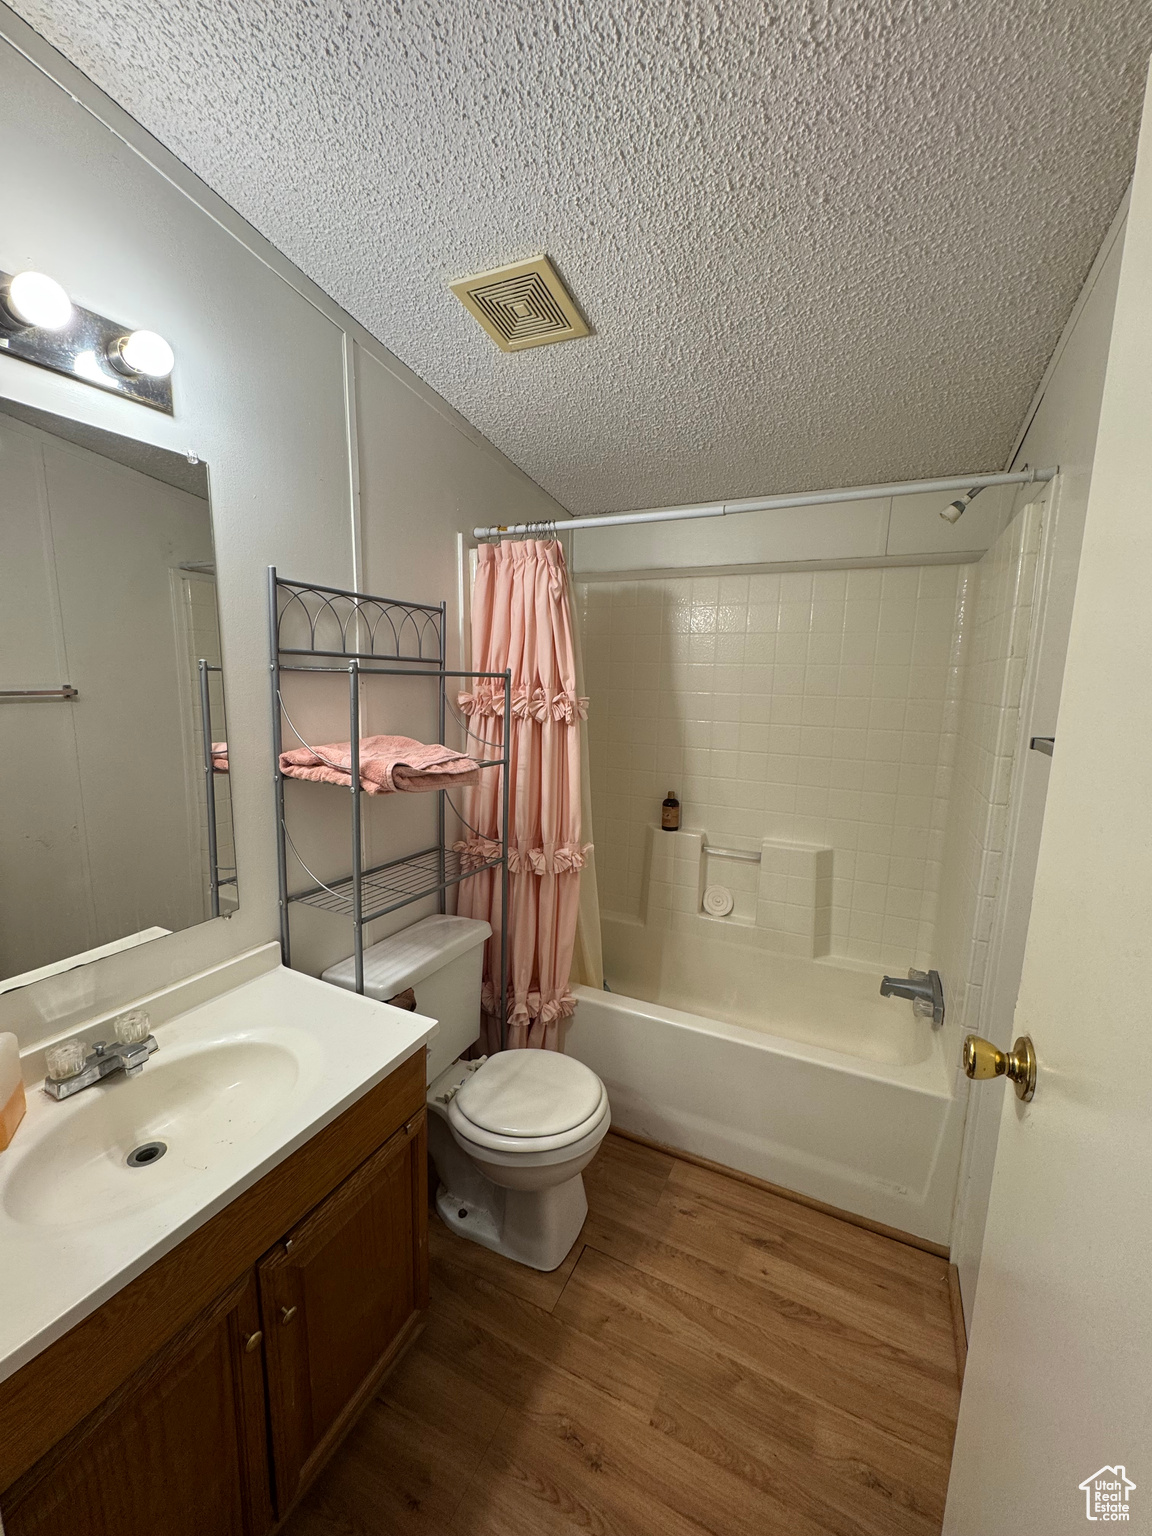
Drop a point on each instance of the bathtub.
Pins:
(796, 1071)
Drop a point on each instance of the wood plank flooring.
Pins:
(711, 1358)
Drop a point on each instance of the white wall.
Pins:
(262, 386)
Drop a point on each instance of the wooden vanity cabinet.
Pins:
(179, 1450)
(339, 1301)
(211, 1419)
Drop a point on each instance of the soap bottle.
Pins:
(670, 814)
(12, 1102)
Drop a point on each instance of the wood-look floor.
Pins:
(710, 1358)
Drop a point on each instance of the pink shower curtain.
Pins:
(521, 620)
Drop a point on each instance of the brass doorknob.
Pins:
(982, 1060)
(253, 1342)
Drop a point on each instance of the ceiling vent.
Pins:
(522, 305)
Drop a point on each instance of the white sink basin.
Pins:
(200, 1101)
(252, 1060)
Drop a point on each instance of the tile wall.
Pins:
(811, 708)
(998, 634)
(782, 902)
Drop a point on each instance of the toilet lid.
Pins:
(530, 1093)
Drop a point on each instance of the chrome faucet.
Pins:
(923, 990)
(70, 1069)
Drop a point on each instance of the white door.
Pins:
(1059, 1379)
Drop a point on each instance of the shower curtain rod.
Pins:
(773, 503)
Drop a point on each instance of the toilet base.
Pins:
(535, 1227)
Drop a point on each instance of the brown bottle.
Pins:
(670, 814)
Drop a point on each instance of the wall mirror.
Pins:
(116, 813)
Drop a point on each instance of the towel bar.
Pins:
(67, 692)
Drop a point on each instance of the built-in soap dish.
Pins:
(718, 901)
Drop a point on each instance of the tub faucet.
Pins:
(922, 989)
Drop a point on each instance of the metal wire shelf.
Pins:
(216, 876)
(391, 886)
(359, 636)
(337, 623)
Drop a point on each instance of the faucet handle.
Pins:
(65, 1060)
(133, 1027)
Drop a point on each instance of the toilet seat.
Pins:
(530, 1093)
(513, 1149)
(526, 1103)
(571, 1154)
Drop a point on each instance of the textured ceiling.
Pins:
(820, 241)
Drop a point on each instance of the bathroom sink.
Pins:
(199, 1103)
(252, 1060)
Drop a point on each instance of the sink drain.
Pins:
(148, 1152)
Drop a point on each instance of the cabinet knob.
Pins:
(253, 1342)
(287, 1314)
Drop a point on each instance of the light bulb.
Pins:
(143, 352)
(35, 299)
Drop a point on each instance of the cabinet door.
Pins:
(340, 1297)
(179, 1450)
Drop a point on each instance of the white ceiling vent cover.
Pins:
(522, 305)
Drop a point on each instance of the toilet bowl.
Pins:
(509, 1135)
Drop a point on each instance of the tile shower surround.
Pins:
(998, 634)
(812, 707)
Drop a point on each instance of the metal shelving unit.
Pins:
(218, 876)
(357, 636)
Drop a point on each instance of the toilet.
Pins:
(509, 1135)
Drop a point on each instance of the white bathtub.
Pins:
(796, 1071)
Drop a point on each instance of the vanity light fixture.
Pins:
(32, 299)
(86, 366)
(40, 324)
(142, 352)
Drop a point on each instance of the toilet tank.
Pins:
(441, 958)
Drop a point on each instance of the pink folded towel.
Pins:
(220, 756)
(387, 764)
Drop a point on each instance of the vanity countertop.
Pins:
(237, 1084)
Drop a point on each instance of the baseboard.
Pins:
(939, 1249)
(959, 1331)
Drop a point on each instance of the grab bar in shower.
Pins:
(733, 853)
